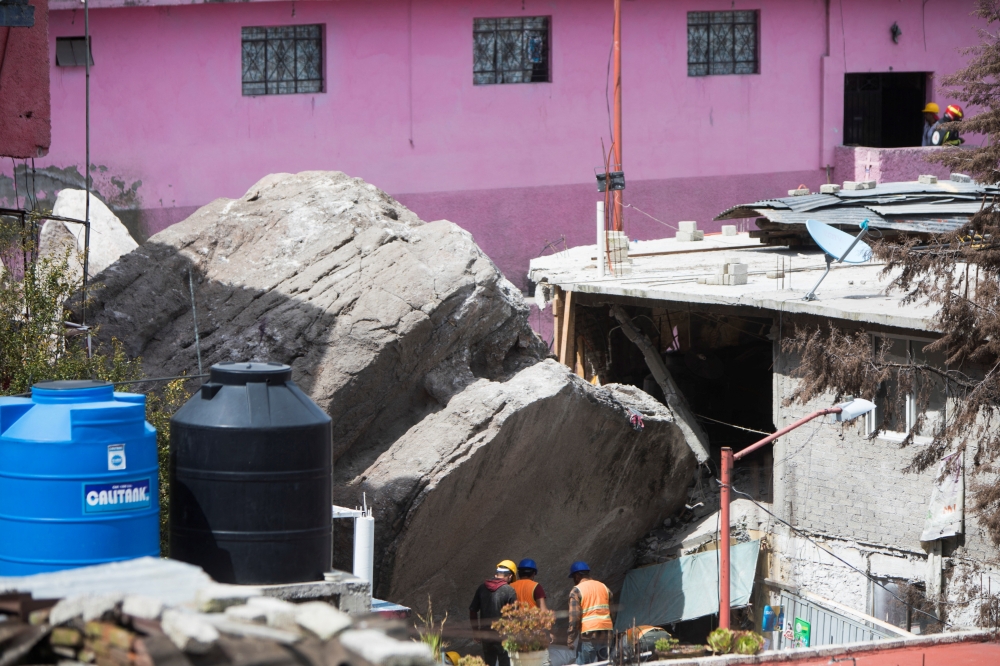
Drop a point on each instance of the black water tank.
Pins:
(250, 478)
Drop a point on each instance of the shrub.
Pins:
(665, 644)
(524, 628)
(471, 660)
(720, 641)
(747, 642)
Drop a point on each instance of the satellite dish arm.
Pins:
(811, 296)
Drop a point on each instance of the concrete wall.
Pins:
(885, 165)
(856, 498)
(512, 163)
(25, 116)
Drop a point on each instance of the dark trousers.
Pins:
(494, 654)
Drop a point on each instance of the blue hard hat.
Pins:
(578, 567)
(527, 563)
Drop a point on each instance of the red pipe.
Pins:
(726, 474)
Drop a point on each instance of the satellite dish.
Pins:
(839, 247)
(835, 243)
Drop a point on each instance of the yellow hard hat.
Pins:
(931, 108)
(509, 564)
(453, 658)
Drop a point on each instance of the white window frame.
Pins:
(910, 409)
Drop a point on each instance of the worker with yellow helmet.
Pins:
(931, 121)
(490, 599)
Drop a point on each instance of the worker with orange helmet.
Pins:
(931, 121)
(486, 606)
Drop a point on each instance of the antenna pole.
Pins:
(86, 160)
(618, 209)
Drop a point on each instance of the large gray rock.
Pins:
(381, 316)
(109, 239)
(543, 465)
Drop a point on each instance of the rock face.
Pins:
(381, 316)
(109, 239)
(543, 465)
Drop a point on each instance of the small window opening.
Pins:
(510, 50)
(72, 51)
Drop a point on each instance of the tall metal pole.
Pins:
(616, 217)
(86, 161)
(727, 475)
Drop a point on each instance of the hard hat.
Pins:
(508, 565)
(953, 112)
(527, 563)
(453, 658)
(931, 108)
(578, 567)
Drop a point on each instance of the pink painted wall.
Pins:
(512, 163)
(886, 165)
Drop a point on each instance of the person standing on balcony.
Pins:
(589, 616)
(931, 121)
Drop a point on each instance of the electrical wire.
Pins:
(732, 425)
(666, 224)
(834, 556)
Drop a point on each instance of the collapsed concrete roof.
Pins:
(668, 270)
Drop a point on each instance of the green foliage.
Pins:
(747, 642)
(471, 660)
(159, 408)
(720, 640)
(523, 627)
(665, 644)
(431, 631)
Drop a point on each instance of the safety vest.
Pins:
(595, 606)
(525, 591)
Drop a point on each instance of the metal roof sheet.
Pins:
(941, 187)
(944, 208)
(851, 217)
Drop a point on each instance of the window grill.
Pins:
(510, 50)
(723, 43)
(283, 60)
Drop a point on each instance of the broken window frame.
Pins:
(723, 43)
(70, 51)
(872, 420)
(489, 64)
(278, 74)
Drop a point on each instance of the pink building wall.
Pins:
(25, 129)
(171, 131)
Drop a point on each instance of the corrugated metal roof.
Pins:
(849, 217)
(945, 208)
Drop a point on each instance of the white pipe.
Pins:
(364, 547)
(601, 237)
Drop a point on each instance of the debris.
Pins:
(829, 188)
(218, 597)
(382, 650)
(146, 608)
(928, 179)
(278, 613)
(109, 239)
(688, 231)
(189, 632)
(321, 619)
(728, 229)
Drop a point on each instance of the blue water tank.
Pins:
(78, 478)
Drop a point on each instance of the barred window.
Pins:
(722, 43)
(283, 60)
(510, 50)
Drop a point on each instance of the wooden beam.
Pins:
(557, 317)
(693, 433)
(580, 369)
(568, 335)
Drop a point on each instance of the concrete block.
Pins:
(727, 279)
(321, 619)
(189, 632)
(145, 608)
(247, 613)
(736, 269)
(859, 185)
(687, 226)
(960, 178)
(738, 279)
(703, 280)
(868, 185)
(732, 259)
(218, 597)
(799, 192)
(96, 607)
(728, 229)
(377, 648)
(699, 235)
(714, 279)
(279, 613)
(927, 179)
(829, 188)
(684, 236)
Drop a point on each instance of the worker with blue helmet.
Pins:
(528, 590)
(589, 616)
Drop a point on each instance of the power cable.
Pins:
(732, 425)
(834, 556)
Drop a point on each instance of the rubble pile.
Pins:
(232, 626)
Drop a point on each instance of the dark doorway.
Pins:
(882, 110)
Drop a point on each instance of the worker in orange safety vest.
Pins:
(528, 590)
(590, 623)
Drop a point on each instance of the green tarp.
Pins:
(685, 588)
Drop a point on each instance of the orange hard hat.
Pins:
(954, 112)
(931, 108)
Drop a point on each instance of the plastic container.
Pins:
(250, 478)
(78, 478)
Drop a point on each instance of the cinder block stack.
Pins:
(689, 232)
(732, 272)
(617, 247)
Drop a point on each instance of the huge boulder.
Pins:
(109, 239)
(543, 465)
(381, 316)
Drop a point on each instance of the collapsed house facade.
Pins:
(844, 519)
